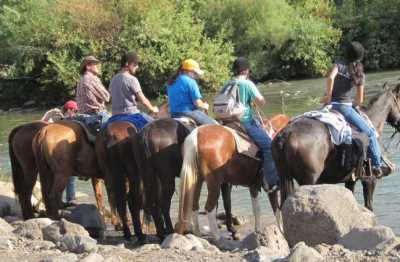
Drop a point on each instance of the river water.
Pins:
(292, 98)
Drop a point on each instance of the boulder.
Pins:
(269, 237)
(387, 246)
(93, 257)
(12, 219)
(68, 228)
(29, 229)
(38, 245)
(322, 214)
(78, 244)
(187, 242)
(301, 252)
(52, 232)
(5, 243)
(366, 238)
(8, 203)
(262, 254)
(5, 228)
(88, 216)
(61, 258)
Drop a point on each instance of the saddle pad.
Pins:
(244, 145)
(186, 121)
(91, 137)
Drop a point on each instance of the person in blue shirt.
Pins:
(184, 95)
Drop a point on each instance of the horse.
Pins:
(210, 155)
(303, 150)
(159, 163)
(115, 153)
(61, 150)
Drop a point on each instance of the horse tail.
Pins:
(282, 156)
(189, 173)
(41, 159)
(17, 172)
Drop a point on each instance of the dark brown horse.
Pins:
(210, 155)
(62, 150)
(303, 150)
(115, 152)
(159, 160)
(23, 166)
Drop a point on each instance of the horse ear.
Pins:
(385, 86)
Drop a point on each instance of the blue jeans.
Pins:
(257, 132)
(198, 116)
(70, 189)
(354, 118)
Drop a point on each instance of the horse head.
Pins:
(393, 117)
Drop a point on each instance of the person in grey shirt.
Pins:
(126, 90)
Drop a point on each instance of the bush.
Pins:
(50, 50)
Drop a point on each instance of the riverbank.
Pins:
(356, 236)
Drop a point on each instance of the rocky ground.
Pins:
(315, 230)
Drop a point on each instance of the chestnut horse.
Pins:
(304, 151)
(115, 153)
(24, 169)
(210, 155)
(61, 150)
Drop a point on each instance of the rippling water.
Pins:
(292, 98)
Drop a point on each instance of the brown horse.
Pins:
(23, 166)
(304, 151)
(115, 153)
(210, 155)
(62, 150)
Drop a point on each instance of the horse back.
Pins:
(302, 149)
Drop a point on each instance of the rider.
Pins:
(126, 90)
(184, 95)
(91, 95)
(249, 94)
(342, 77)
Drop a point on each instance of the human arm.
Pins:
(360, 95)
(330, 79)
(196, 96)
(146, 102)
(99, 91)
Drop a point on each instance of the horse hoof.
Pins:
(141, 240)
(118, 227)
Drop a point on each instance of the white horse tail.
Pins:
(189, 173)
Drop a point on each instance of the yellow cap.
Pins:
(192, 65)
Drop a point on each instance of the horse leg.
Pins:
(98, 194)
(60, 181)
(168, 188)
(255, 203)
(226, 190)
(212, 199)
(135, 203)
(368, 192)
(350, 185)
(196, 207)
(25, 195)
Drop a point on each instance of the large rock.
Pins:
(94, 257)
(322, 214)
(301, 252)
(388, 245)
(61, 258)
(5, 228)
(68, 228)
(52, 232)
(78, 244)
(88, 216)
(269, 237)
(29, 229)
(8, 203)
(187, 242)
(366, 238)
(5, 243)
(262, 254)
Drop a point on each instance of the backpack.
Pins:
(227, 105)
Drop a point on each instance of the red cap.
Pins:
(71, 104)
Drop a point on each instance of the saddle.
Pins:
(91, 124)
(244, 144)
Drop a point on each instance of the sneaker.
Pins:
(386, 170)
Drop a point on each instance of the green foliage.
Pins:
(46, 40)
(376, 24)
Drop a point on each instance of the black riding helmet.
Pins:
(239, 65)
(354, 51)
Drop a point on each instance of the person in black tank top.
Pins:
(343, 76)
